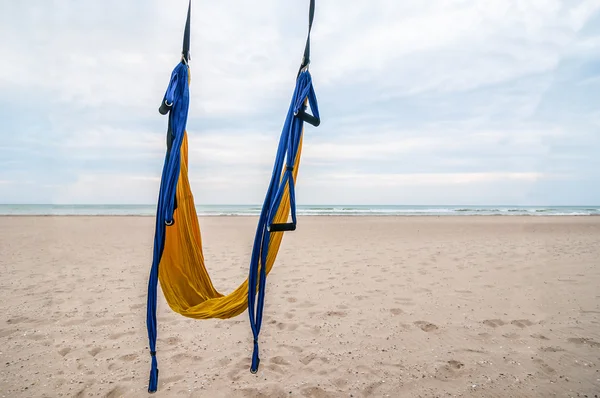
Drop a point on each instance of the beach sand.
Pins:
(356, 306)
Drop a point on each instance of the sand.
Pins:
(389, 306)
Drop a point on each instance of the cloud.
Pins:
(108, 188)
(486, 102)
(381, 180)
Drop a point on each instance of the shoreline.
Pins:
(307, 210)
(362, 216)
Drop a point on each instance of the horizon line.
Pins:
(300, 205)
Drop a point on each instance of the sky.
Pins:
(421, 102)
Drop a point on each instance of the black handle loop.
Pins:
(308, 118)
(164, 107)
(284, 227)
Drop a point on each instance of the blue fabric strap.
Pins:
(178, 91)
(176, 104)
(286, 153)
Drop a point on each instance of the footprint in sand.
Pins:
(453, 364)
(404, 301)
(275, 368)
(315, 392)
(450, 370)
(19, 319)
(184, 355)
(396, 311)
(241, 366)
(340, 383)
(129, 357)
(511, 336)
(544, 367)
(308, 359)
(293, 348)
(172, 379)
(494, 323)
(64, 351)
(315, 329)
(369, 390)
(173, 340)
(267, 390)
(284, 326)
(522, 323)
(551, 349)
(81, 393)
(6, 332)
(75, 322)
(278, 360)
(567, 280)
(336, 313)
(117, 392)
(94, 351)
(473, 351)
(583, 340)
(223, 362)
(104, 322)
(426, 326)
(35, 337)
(117, 336)
(589, 312)
(539, 336)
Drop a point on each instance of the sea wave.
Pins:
(307, 210)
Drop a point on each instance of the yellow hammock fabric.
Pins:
(184, 280)
(178, 261)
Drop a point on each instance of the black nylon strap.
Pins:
(185, 53)
(284, 227)
(306, 57)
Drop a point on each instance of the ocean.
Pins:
(313, 210)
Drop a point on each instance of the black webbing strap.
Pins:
(185, 53)
(306, 57)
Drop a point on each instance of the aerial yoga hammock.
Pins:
(178, 261)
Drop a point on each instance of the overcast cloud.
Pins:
(436, 102)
